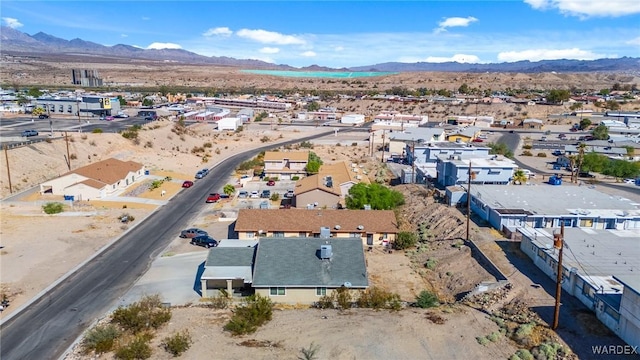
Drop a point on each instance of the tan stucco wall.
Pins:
(300, 295)
(60, 184)
(324, 199)
(83, 192)
(377, 237)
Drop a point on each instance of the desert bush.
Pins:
(177, 343)
(527, 153)
(155, 184)
(325, 302)
(527, 146)
(541, 154)
(377, 298)
(53, 208)
(494, 336)
(295, 178)
(275, 197)
(482, 340)
(309, 353)
(522, 354)
(549, 351)
(265, 139)
(354, 144)
(306, 145)
(83, 136)
(343, 297)
(100, 339)
(218, 151)
(427, 299)
(73, 157)
(97, 131)
(255, 312)
(197, 149)
(221, 301)
(405, 240)
(431, 263)
(92, 143)
(138, 348)
(126, 217)
(207, 145)
(142, 315)
(148, 144)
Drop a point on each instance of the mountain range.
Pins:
(13, 41)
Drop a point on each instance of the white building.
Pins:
(352, 119)
(230, 123)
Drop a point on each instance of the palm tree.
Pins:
(519, 177)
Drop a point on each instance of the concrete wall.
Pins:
(629, 327)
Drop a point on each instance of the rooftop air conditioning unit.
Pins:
(325, 252)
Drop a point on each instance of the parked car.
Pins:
(243, 194)
(187, 184)
(271, 183)
(109, 118)
(265, 194)
(629, 181)
(586, 174)
(254, 194)
(192, 232)
(43, 116)
(204, 171)
(122, 116)
(478, 140)
(557, 153)
(213, 197)
(204, 240)
(199, 175)
(28, 133)
(289, 194)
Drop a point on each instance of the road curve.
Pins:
(47, 327)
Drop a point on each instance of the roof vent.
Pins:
(360, 227)
(325, 252)
(337, 227)
(347, 284)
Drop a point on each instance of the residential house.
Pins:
(464, 135)
(329, 186)
(95, 181)
(399, 141)
(372, 227)
(285, 164)
(532, 123)
(393, 120)
(426, 156)
(453, 170)
(228, 266)
(303, 270)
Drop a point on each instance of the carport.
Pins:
(229, 266)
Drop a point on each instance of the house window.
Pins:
(354, 235)
(113, 186)
(302, 234)
(277, 291)
(250, 234)
(385, 236)
(586, 223)
(278, 234)
(321, 291)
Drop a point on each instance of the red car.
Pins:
(478, 140)
(213, 198)
(187, 184)
(271, 183)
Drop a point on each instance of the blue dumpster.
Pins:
(146, 172)
(69, 197)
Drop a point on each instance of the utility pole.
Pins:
(469, 202)
(372, 144)
(413, 160)
(383, 132)
(6, 156)
(558, 243)
(66, 138)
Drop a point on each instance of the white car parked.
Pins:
(255, 194)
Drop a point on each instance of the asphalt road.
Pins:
(48, 326)
(15, 126)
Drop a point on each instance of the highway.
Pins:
(47, 327)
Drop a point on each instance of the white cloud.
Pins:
(269, 50)
(635, 41)
(220, 31)
(270, 37)
(146, 18)
(459, 58)
(455, 22)
(159, 45)
(11, 22)
(586, 9)
(548, 54)
(124, 35)
(308, 54)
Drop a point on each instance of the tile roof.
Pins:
(107, 171)
(295, 262)
(298, 220)
(93, 183)
(290, 155)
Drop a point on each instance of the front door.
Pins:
(369, 239)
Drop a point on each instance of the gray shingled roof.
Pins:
(230, 256)
(294, 262)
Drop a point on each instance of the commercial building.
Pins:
(546, 206)
(229, 124)
(353, 119)
(86, 78)
(393, 120)
(599, 268)
(453, 170)
(87, 105)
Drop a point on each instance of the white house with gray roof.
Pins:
(302, 270)
(229, 266)
(455, 171)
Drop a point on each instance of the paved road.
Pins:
(48, 326)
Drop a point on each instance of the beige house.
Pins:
(285, 164)
(371, 227)
(95, 181)
(328, 188)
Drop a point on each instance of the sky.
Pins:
(347, 33)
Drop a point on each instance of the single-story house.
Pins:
(532, 123)
(464, 134)
(285, 164)
(329, 186)
(229, 266)
(372, 227)
(303, 270)
(95, 181)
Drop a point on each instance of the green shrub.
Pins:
(377, 298)
(541, 154)
(523, 354)
(138, 348)
(100, 339)
(527, 153)
(309, 353)
(275, 197)
(548, 351)
(178, 343)
(219, 302)
(482, 340)
(255, 312)
(97, 131)
(306, 145)
(431, 264)
(427, 300)
(494, 336)
(142, 315)
(343, 297)
(325, 302)
(295, 178)
(405, 240)
(53, 208)
(527, 146)
(207, 145)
